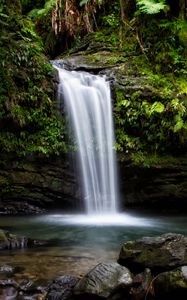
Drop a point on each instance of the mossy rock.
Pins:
(158, 253)
(172, 284)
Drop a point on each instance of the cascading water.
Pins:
(88, 103)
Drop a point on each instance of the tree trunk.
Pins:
(127, 8)
(183, 9)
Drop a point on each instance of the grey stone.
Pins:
(158, 253)
(104, 280)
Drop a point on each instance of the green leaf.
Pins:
(157, 107)
(125, 103)
(151, 6)
(179, 124)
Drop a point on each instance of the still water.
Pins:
(79, 242)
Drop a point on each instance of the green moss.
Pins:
(153, 118)
(158, 161)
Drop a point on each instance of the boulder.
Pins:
(171, 284)
(104, 280)
(160, 253)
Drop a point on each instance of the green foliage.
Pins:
(156, 125)
(111, 20)
(164, 42)
(144, 123)
(107, 38)
(27, 117)
(42, 12)
(156, 107)
(41, 16)
(28, 5)
(46, 140)
(151, 6)
(149, 160)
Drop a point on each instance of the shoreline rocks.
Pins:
(152, 268)
(9, 241)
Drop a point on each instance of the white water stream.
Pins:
(88, 104)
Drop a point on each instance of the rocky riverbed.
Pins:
(148, 268)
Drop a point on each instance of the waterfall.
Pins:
(88, 103)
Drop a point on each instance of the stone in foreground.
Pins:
(61, 288)
(104, 280)
(171, 284)
(160, 253)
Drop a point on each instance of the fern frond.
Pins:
(151, 6)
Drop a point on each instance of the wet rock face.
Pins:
(104, 280)
(159, 253)
(28, 186)
(20, 208)
(156, 188)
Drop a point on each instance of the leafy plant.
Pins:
(27, 116)
(151, 6)
(41, 12)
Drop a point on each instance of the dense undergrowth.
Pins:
(147, 44)
(152, 119)
(27, 116)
